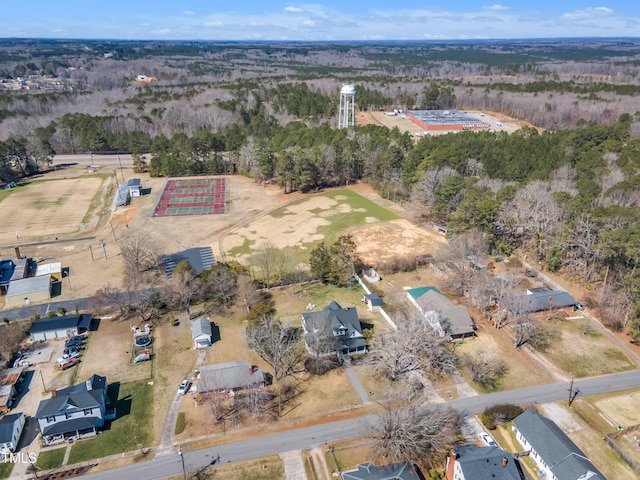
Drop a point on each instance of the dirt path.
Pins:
(293, 466)
(320, 464)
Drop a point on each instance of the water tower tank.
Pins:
(348, 90)
(346, 112)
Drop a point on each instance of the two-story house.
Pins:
(10, 430)
(469, 462)
(74, 412)
(333, 330)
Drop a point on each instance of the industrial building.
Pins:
(445, 121)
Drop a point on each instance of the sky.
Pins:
(328, 20)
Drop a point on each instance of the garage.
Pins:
(60, 327)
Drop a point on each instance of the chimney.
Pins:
(54, 393)
(17, 249)
(504, 461)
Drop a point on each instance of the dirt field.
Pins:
(54, 206)
(381, 242)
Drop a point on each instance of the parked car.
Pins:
(488, 440)
(530, 272)
(578, 306)
(68, 363)
(184, 387)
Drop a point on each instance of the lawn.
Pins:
(584, 355)
(50, 459)
(266, 468)
(5, 469)
(132, 428)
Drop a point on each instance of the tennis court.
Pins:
(192, 196)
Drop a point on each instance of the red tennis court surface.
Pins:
(192, 196)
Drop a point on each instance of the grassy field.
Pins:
(131, 430)
(307, 222)
(50, 459)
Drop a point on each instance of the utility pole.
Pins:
(44, 387)
(181, 455)
(121, 169)
(104, 249)
(571, 397)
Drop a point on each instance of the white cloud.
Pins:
(293, 10)
(161, 31)
(496, 6)
(213, 24)
(588, 13)
(308, 23)
(189, 12)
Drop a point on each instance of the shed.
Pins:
(53, 269)
(10, 430)
(134, 185)
(28, 290)
(201, 332)
(373, 301)
(60, 327)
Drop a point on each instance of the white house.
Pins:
(10, 430)
(74, 412)
(201, 333)
(553, 452)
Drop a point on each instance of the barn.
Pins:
(28, 290)
(60, 327)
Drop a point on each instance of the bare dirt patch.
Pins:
(384, 241)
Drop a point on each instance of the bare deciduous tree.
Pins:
(414, 346)
(267, 259)
(415, 432)
(184, 287)
(281, 347)
(485, 369)
(426, 186)
(458, 254)
(140, 253)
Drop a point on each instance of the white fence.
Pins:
(382, 312)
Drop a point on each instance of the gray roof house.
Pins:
(472, 462)
(201, 333)
(60, 327)
(553, 452)
(393, 471)
(231, 376)
(200, 259)
(10, 430)
(340, 325)
(450, 320)
(543, 299)
(74, 412)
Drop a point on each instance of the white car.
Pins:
(184, 387)
(488, 440)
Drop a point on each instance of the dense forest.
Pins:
(568, 195)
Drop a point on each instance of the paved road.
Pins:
(26, 312)
(95, 159)
(169, 464)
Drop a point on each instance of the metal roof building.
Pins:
(28, 290)
(200, 259)
(446, 121)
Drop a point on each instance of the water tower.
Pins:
(346, 114)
